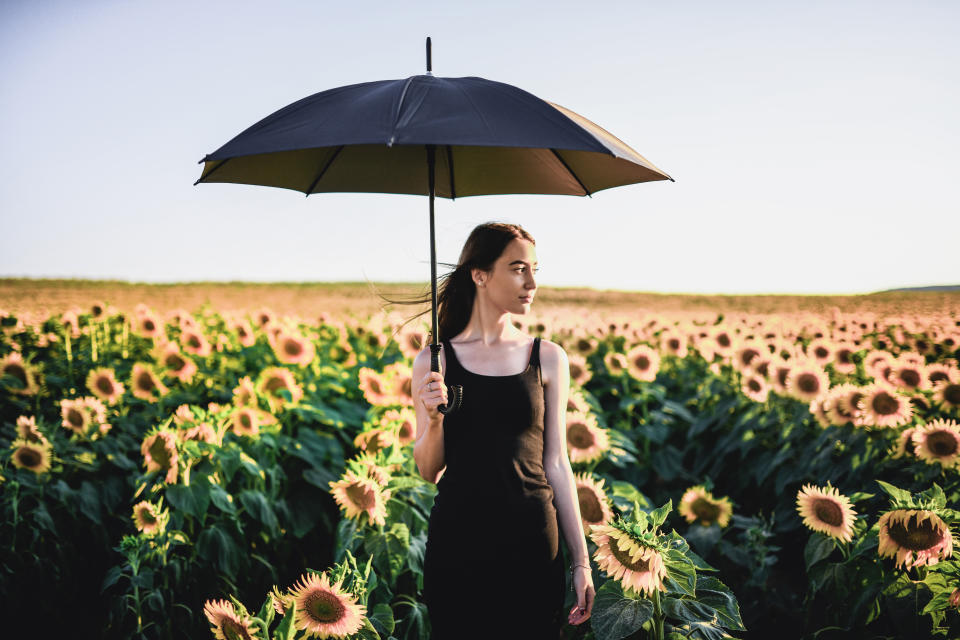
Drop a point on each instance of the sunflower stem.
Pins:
(658, 616)
(93, 341)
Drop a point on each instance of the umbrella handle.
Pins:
(456, 390)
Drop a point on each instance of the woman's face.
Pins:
(510, 284)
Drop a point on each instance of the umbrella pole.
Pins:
(456, 391)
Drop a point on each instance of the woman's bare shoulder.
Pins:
(421, 364)
(553, 360)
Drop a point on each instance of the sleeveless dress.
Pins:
(492, 566)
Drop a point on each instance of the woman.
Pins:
(505, 487)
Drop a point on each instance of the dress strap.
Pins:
(535, 354)
(450, 356)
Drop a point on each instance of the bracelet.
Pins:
(585, 566)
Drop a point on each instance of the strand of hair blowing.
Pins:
(455, 302)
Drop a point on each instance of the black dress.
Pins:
(493, 567)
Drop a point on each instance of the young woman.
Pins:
(493, 566)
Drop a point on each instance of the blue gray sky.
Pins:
(814, 144)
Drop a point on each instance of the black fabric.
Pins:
(493, 566)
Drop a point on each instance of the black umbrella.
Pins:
(447, 137)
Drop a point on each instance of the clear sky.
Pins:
(814, 144)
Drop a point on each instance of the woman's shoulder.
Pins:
(553, 359)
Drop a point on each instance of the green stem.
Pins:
(658, 616)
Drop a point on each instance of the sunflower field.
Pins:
(242, 475)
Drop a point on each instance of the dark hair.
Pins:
(456, 289)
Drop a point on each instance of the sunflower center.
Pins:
(361, 496)
(673, 344)
(754, 385)
(910, 377)
(723, 340)
(145, 381)
(782, 373)
(829, 512)
(583, 346)
(942, 444)
(104, 385)
(406, 430)
(748, 355)
(29, 458)
(705, 510)
(75, 418)
(590, 508)
(843, 356)
(915, 536)
(639, 566)
(937, 376)
(324, 607)
(17, 371)
(951, 394)
(763, 368)
(149, 325)
(575, 371)
(174, 362)
(246, 421)
(885, 404)
(642, 362)
(407, 387)
(808, 383)
(159, 453)
(821, 353)
(292, 348)
(275, 383)
(193, 341)
(579, 437)
(232, 630)
(375, 386)
(146, 517)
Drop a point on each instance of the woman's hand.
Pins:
(583, 588)
(432, 394)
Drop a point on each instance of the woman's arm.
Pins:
(556, 382)
(428, 449)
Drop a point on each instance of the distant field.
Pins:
(45, 297)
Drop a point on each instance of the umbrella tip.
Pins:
(429, 58)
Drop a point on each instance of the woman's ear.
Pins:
(479, 277)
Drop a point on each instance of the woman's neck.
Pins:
(488, 325)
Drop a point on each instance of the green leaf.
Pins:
(286, 629)
(615, 615)
(215, 543)
(256, 504)
(367, 631)
(819, 547)
(193, 499)
(90, 502)
(382, 619)
(659, 516)
(681, 574)
(222, 499)
(389, 548)
(714, 593)
(625, 494)
(687, 610)
(267, 612)
(320, 478)
(898, 495)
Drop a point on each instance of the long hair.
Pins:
(456, 289)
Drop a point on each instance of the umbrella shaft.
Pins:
(435, 348)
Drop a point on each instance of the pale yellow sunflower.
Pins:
(160, 454)
(148, 518)
(807, 381)
(375, 387)
(643, 363)
(291, 347)
(938, 441)
(32, 456)
(915, 537)
(102, 383)
(325, 610)
(882, 406)
(15, 366)
(826, 510)
(227, 623)
(360, 496)
(698, 504)
(586, 440)
(273, 380)
(624, 559)
(145, 384)
(594, 506)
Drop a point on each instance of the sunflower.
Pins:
(882, 406)
(615, 363)
(635, 565)
(264, 316)
(915, 537)
(374, 440)
(272, 380)
(594, 506)
(375, 387)
(177, 365)
(31, 455)
(947, 394)
(160, 454)
(102, 383)
(699, 504)
(148, 326)
(826, 510)
(244, 332)
(13, 365)
(843, 358)
(745, 354)
(291, 347)
(586, 440)
(325, 610)
(838, 403)
(359, 495)
(27, 430)
(904, 444)
(246, 421)
(411, 342)
(643, 363)
(227, 623)
(579, 371)
(244, 394)
(942, 372)
(673, 343)
(938, 441)
(98, 309)
(779, 374)
(723, 342)
(755, 388)
(195, 342)
(400, 377)
(821, 351)
(404, 424)
(281, 601)
(909, 376)
(203, 432)
(76, 417)
(145, 384)
(877, 363)
(148, 518)
(576, 402)
(807, 381)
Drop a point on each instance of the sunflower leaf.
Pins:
(681, 574)
(898, 495)
(819, 547)
(717, 595)
(267, 612)
(382, 619)
(659, 516)
(617, 616)
(286, 629)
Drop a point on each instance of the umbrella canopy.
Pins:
(491, 138)
(432, 136)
